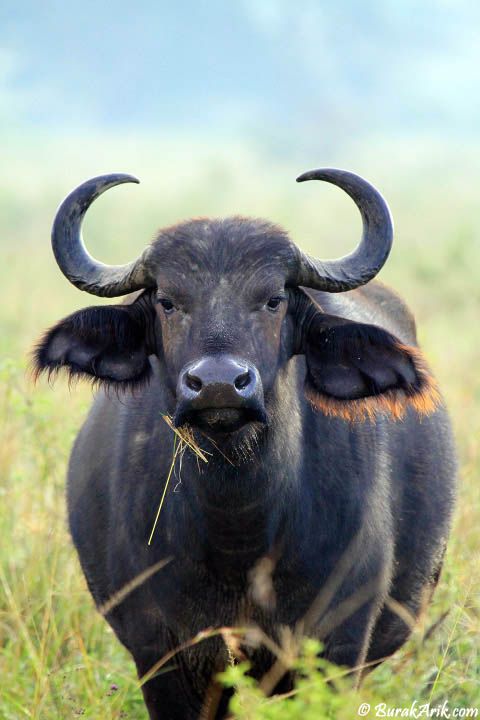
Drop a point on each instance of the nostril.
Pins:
(242, 380)
(193, 382)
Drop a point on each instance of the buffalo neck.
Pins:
(234, 511)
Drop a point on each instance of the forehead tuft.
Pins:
(222, 246)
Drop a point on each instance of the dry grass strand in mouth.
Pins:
(182, 440)
(186, 436)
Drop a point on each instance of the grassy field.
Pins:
(58, 657)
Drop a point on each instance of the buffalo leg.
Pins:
(167, 695)
(348, 644)
(172, 695)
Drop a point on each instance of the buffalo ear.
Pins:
(106, 344)
(356, 370)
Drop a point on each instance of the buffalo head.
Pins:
(224, 305)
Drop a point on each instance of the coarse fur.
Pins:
(347, 488)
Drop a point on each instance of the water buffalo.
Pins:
(326, 500)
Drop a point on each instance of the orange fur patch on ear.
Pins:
(425, 398)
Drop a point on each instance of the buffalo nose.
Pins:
(218, 382)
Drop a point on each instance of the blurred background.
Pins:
(217, 107)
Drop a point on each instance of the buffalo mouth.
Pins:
(221, 420)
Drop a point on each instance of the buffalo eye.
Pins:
(274, 303)
(167, 305)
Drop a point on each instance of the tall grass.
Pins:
(58, 657)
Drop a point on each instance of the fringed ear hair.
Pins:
(106, 345)
(356, 371)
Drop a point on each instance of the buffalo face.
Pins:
(221, 308)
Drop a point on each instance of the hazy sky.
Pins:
(259, 67)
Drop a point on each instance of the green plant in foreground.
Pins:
(322, 691)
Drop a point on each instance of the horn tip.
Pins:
(130, 178)
(325, 173)
(309, 175)
(118, 178)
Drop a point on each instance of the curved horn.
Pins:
(73, 258)
(367, 259)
